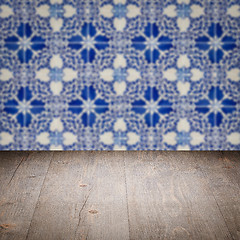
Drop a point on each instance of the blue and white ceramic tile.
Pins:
(120, 74)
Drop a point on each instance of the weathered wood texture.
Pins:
(19, 197)
(119, 195)
(9, 164)
(222, 174)
(83, 197)
(169, 198)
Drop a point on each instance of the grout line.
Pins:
(135, 106)
(105, 42)
(215, 68)
(151, 51)
(138, 106)
(88, 91)
(24, 64)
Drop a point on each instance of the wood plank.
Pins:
(171, 195)
(56, 214)
(108, 198)
(20, 197)
(223, 176)
(232, 161)
(84, 197)
(168, 198)
(9, 163)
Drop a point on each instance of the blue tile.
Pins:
(120, 74)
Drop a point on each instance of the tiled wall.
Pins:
(120, 74)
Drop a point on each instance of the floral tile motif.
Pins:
(120, 75)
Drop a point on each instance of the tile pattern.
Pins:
(120, 74)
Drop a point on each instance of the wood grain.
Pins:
(119, 195)
(222, 173)
(168, 198)
(9, 164)
(20, 197)
(83, 197)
